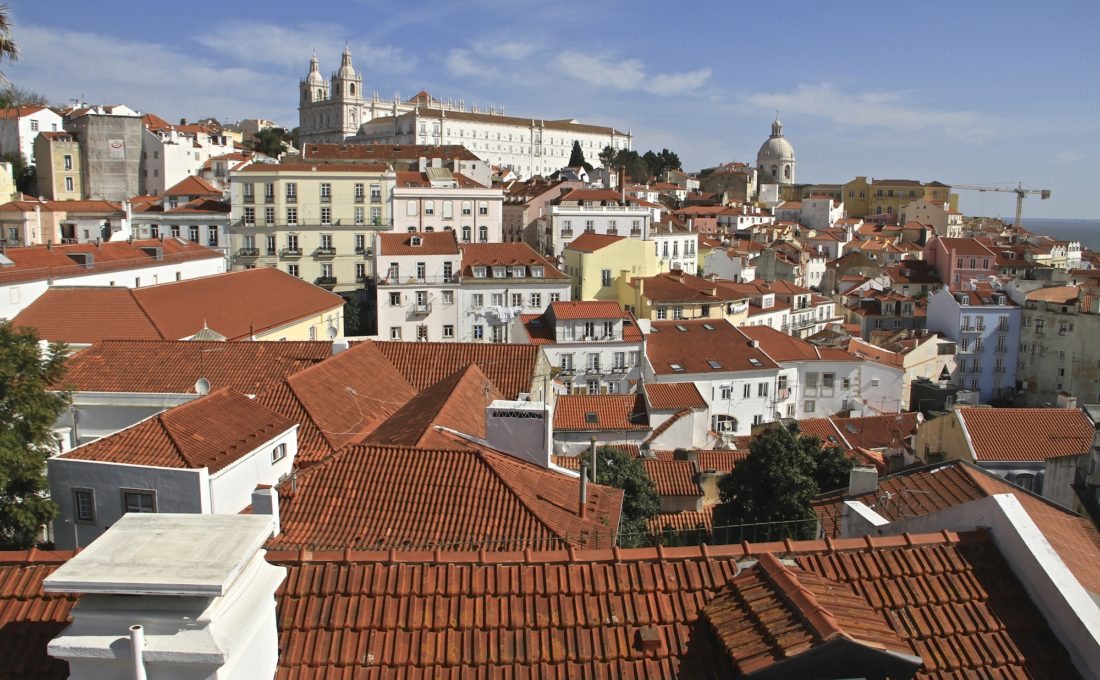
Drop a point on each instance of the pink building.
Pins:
(957, 260)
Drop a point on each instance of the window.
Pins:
(536, 300)
(249, 217)
(498, 334)
(808, 406)
(429, 207)
(68, 162)
(465, 234)
(467, 207)
(592, 361)
(497, 299)
(360, 216)
(375, 193)
(555, 297)
(479, 332)
(291, 192)
(410, 208)
(810, 388)
(269, 216)
(828, 381)
(746, 391)
(722, 423)
(567, 362)
(448, 297)
(360, 192)
(139, 501)
(517, 299)
(483, 208)
(193, 233)
(292, 216)
(395, 332)
(69, 184)
(477, 300)
(212, 237)
(278, 453)
(448, 331)
(84, 505)
(34, 125)
(360, 271)
(326, 192)
(326, 215)
(326, 241)
(422, 333)
(726, 392)
(1025, 481)
(762, 389)
(605, 278)
(270, 242)
(292, 269)
(483, 234)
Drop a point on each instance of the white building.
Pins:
(339, 109)
(192, 209)
(189, 459)
(19, 126)
(599, 211)
(171, 153)
(439, 200)
(593, 347)
(676, 249)
(820, 211)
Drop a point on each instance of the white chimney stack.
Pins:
(523, 429)
(177, 596)
(862, 480)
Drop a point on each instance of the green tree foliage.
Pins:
(576, 157)
(607, 156)
(26, 179)
(27, 415)
(640, 500)
(269, 141)
(18, 96)
(640, 168)
(8, 49)
(776, 483)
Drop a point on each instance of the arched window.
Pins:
(318, 94)
(786, 172)
(1025, 481)
(775, 171)
(351, 88)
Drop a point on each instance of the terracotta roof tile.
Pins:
(1026, 434)
(29, 617)
(234, 305)
(702, 346)
(590, 242)
(673, 396)
(875, 432)
(581, 412)
(511, 368)
(367, 168)
(782, 347)
(378, 497)
(384, 152)
(457, 402)
(192, 186)
(209, 432)
(950, 599)
(430, 243)
(173, 367)
(35, 263)
(586, 309)
(720, 461)
(930, 489)
(672, 477)
(680, 522)
(489, 254)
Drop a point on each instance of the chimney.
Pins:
(583, 498)
(339, 346)
(265, 501)
(755, 344)
(1066, 400)
(422, 163)
(684, 454)
(862, 480)
(197, 585)
(523, 429)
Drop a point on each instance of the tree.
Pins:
(25, 175)
(640, 500)
(607, 156)
(775, 484)
(8, 49)
(27, 416)
(269, 141)
(18, 96)
(633, 163)
(576, 157)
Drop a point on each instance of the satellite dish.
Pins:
(202, 386)
(331, 332)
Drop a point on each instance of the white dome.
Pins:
(314, 77)
(776, 149)
(346, 71)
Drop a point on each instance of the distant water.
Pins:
(1085, 231)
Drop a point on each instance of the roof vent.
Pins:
(755, 344)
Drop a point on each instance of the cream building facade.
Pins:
(439, 200)
(57, 162)
(338, 109)
(316, 222)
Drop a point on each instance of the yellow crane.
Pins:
(1019, 190)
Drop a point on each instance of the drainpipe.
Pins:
(592, 450)
(584, 490)
(137, 651)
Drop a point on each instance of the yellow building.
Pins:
(863, 197)
(675, 295)
(595, 261)
(316, 222)
(57, 160)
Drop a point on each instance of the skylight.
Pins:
(708, 327)
(682, 329)
(591, 418)
(713, 364)
(677, 368)
(754, 361)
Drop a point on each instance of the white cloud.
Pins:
(464, 63)
(894, 110)
(628, 74)
(1068, 157)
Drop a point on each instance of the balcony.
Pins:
(567, 233)
(290, 252)
(364, 250)
(360, 199)
(422, 309)
(324, 252)
(248, 252)
(325, 281)
(270, 198)
(419, 280)
(326, 199)
(636, 232)
(248, 198)
(361, 278)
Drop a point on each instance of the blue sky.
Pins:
(963, 92)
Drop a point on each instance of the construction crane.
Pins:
(1019, 190)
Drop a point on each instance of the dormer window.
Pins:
(415, 241)
(538, 272)
(518, 272)
(500, 272)
(480, 272)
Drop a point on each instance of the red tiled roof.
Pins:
(36, 263)
(457, 402)
(1057, 294)
(586, 309)
(234, 304)
(210, 432)
(320, 168)
(876, 432)
(951, 599)
(673, 396)
(489, 254)
(408, 179)
(680, 522)
(582, 412)
(1026, 434)
(377, 497)
(931, 489)
(30, 617)
(590, 242)
(825, 430)
(782, 347)
(720, 460)
(694, 348)
(672, 477)
(192, 186)
(431, 243)
(20, 111)
(966, 246)
(773, 613)
(384, 152)
(340, 401)
(511, 368)
(173, 367)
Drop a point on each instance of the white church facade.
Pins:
(338, 110)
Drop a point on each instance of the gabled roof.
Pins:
(930, 489)
(876, 432)
(340, 401)
(782, 347)
(429, 243)
(780, 616)
(590, 242)
(173, 367)
(1026, 434)
(30, 617)
(457, 402)
(673, 396)
(679, 522)
(966, 246)
(702, 346)
(511, 368)
(384, 152)
(193, 186)
(236, 305)
(586, 309)
(36, 263)
(210, 432)
(672, 477)
(599, 412)
(380, 497)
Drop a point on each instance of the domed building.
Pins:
(775, 160)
